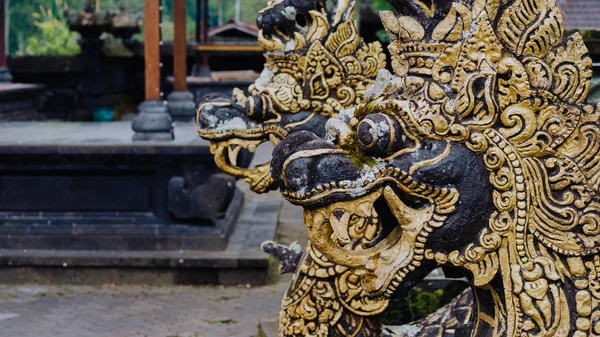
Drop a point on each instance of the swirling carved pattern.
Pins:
(500, 78)
(324, 302)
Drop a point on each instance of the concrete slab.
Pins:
(152, 311)
(87, 205)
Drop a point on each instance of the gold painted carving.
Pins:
(499, 78)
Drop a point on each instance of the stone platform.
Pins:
(241, 262)
(83, 203)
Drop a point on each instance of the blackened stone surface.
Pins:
(88, 186)
(68, 94)
(189, 201)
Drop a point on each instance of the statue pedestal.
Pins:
(181, 105)
(152, 122)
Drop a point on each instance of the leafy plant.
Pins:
(425, 302)
(53, 36)
(420, 302)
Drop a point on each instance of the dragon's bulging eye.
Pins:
(380, 134)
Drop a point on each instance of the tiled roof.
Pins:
(580, 14)
(248, 28)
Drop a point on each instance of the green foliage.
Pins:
(381, 5)
(382, 36)
(53, 36)
(23, 24)
(420, 302)
(425, 302)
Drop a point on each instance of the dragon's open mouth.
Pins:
(380, 234)
(231, 135)
(227, 151)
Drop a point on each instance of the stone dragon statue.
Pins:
(479, 153)
(316, 66)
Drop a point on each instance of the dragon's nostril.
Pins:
(338, 214)
(301, 20)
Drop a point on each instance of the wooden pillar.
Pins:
(205, 40)
(179, 46)
(181, 102)
(152, 49)
(153, 121)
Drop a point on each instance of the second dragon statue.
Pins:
(317, 66)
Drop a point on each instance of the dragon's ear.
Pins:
(563, 209)
(530, 27)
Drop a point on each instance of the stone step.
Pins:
(242, 262)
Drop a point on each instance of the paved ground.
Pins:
(131, 311)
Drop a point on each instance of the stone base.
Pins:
(201, 70)
(82, 203)
(87, 186)
(181, 106)
(153, 122)
(241, 262)
(153, 136)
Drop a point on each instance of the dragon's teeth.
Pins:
(233, 152)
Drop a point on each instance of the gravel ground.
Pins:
(112, 311)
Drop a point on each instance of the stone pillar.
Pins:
(5, 75)
(181, 101)
(153, 122)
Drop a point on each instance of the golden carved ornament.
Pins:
(488, 93)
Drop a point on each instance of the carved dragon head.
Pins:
(480, 153)
(316, 66)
